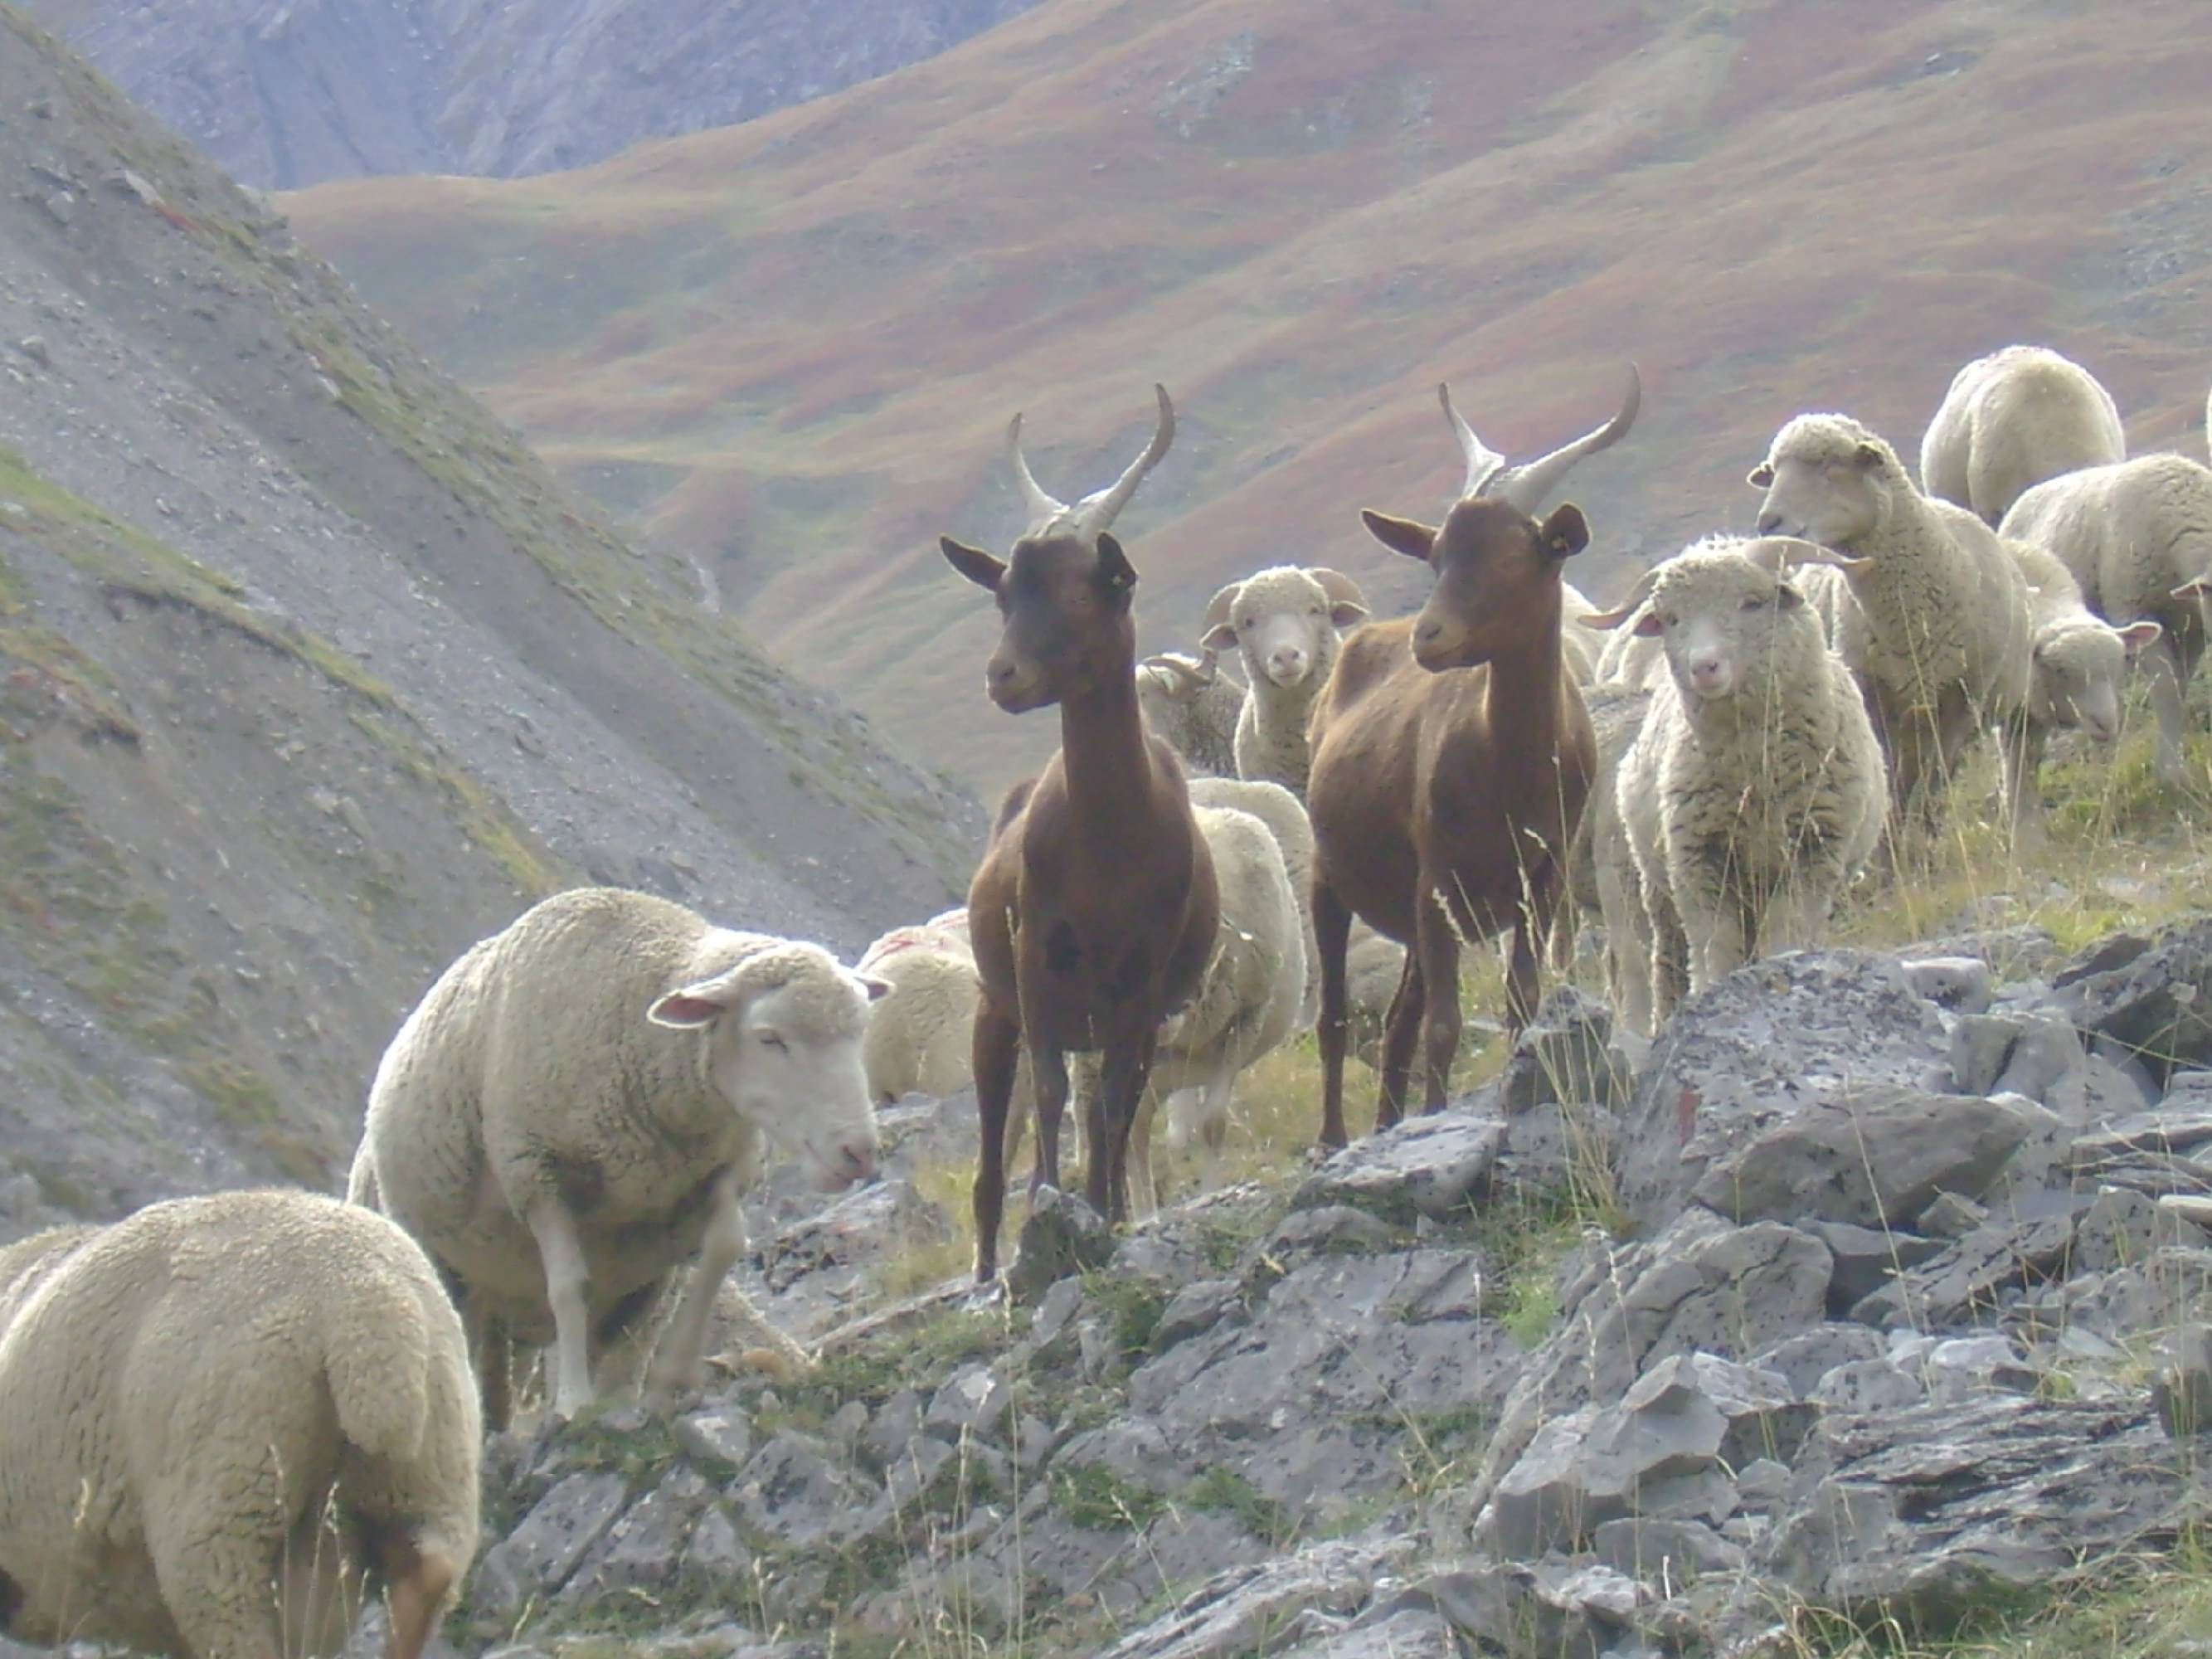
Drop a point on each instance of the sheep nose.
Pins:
(1769, 523)
(856, 1161)
(1709, 670)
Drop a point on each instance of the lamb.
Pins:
(575, 1105)
(1939, 635)
(1753, 794)
(1195, 707)
(1283, 623)
(2011, 420)
(2081, 661)
(230, 1419)
(2138, 537)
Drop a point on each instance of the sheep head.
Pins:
(1829, 480)
(1284, 620)
(1497, 576)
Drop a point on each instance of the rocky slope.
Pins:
(1855, 1307)
(790, 349)
(310, 675)
(285, 92)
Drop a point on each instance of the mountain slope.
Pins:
(292, 91)
(789, 349)
(310, 675)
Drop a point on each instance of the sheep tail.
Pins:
(376, 1354)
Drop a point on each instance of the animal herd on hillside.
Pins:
(231, 1419)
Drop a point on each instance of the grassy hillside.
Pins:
(788, 349)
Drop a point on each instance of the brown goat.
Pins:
(1094, 912)
(1452, 758)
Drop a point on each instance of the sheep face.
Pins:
(1827, 480)
(785, 1052)
(1068, 628)
(1723, 622)
(2078, 672)
(1284, 621)
(1492, 562)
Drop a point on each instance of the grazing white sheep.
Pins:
(229, 1420)
(2011, 420)
(921, 1032)
(1284, 814)
(1283, 622)
(1194, 706)
(1939, 634)
(2080, 664)
(1753, 794)
(2138, 537)
(573, 1109)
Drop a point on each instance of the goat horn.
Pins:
(1042, 508)
(1629, 606)
(1482, 461)
(1096, 511)
(1526, 486)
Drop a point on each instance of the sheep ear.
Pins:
(973, 562)
(1415, 541)
(1788, 596)
(1866, 457)
(877, 989)
(1760, 476)
(1566, 532)
(2137, 634)
(687, 1010)
(1220, 637)
(1647, 626)
(1347, 605)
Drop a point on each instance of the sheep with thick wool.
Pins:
(1939, 631)
(1284, 814)
(2081, 667)
(1754, 792)
(2011, 420)
(575, 1106)
(230, 1419)
(921, 1033)
(1193, 705)
(2138, 537)
(1283, 621)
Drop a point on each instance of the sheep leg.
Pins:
(1670, 953)
(1332, 925)
(1721, 943)
(566, 1274)
(994, 1054)
(1437, 943)
(1796, 915)
(681, 1362)
(415, 1584)
(1401, 1027)
(217, 1576)
(2163, 676)
(493, 1355)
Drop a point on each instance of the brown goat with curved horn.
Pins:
(1096, 511)
(1094, 910)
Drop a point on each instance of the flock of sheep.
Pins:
(232, 1418)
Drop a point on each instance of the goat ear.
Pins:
(1415, 541)
(1113, 566)
(2137, 634)
(1567, 532)
(1760, 476)
(973, 562)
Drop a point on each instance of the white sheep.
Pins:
(2080, 664)
(1582, 652)
(2138, 537)
(1753, 794)
(573, 1109)
(921, 1032)
(1599, 877)
(2011, 420)
(1284, 814)
(1194, 706)
(1283, 622)
(229, 1420)
(1939, 634)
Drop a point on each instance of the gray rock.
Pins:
(1062, 1236)
(972, 1402)
(2184, 1395)
(793, 1493)
(1330, 1227)
(643, 1549)
(1762, 1482)
(2029, 1053)
(1565, 1056)
(537, 1558)
(1554, 1151)
(2152, 999)
(1862, 1386)
(1433, 1166)
(1875, 1156)
(1966, 1366)
(1951, 1216)
(1665, 1554)
(719, 1436)
(1804, 1029)
(1867, 1258)
(1927, 1514)
(1196, 1309)
(1236, 1613)
(1960, 984)
(895, 1424)
(1405, 1633)
(717, 1559)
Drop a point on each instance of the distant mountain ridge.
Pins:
(287, 93)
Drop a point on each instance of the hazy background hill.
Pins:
(310, 675)
(292, 91)
(788, 349)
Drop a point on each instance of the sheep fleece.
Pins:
(189, 1383)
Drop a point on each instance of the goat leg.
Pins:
(1332, 924)
(1400, 1027)
(1437, 942)
(997, 1046)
